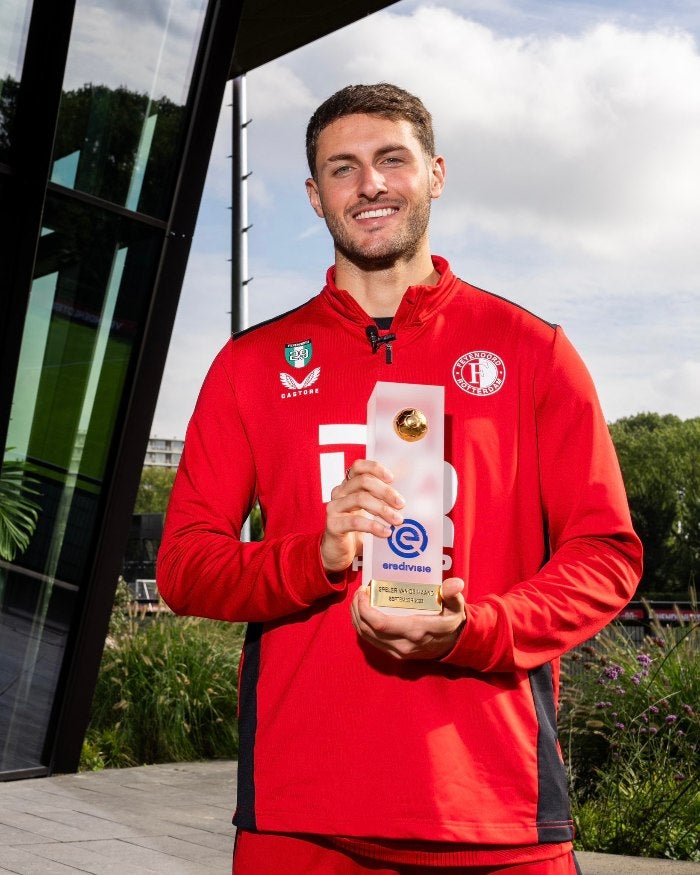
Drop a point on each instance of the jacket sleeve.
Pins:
(595, 557)
(203, 567)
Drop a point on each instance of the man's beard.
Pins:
(384, 253)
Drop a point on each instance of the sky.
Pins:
(570, 132)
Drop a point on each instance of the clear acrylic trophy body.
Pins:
(406, 433)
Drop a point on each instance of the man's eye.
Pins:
(392, 160)
(343, 170)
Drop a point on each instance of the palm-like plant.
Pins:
(18, 511)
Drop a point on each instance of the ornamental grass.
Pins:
(166, 692)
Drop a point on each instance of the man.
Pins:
(380, 743)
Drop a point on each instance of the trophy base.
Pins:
(408, 598)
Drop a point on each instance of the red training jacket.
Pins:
(338, 738)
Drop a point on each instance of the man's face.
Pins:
(373, 187)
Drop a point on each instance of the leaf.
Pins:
(18, 511)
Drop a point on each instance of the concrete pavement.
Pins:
(173, 819)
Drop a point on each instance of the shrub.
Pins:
(630, 731)
(166, 692)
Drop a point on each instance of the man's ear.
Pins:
(314, 197)
(437, 176)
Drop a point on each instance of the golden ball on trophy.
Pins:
(411, 424)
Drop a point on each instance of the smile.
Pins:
(377, 214)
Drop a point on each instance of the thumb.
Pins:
(452, 594)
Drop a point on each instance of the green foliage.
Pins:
(630, 731)
(166, 692)
(18, 511)
(9, 89)
(107, 161)
(154, 490)
(660, 461)
(121, 618)
(256, 524)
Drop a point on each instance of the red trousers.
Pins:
(270, 854)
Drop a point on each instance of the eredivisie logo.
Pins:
(408, 540)
(479, 372)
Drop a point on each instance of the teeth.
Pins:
(377, 214)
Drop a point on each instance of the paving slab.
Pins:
(172, 818)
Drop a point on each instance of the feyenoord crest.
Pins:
(479, 372)
(298, 355)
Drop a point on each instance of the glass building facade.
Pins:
(100, 180)
(108, 112)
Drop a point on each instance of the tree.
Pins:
(154, 490)
(660, 461)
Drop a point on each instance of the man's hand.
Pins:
(364, 502)
(417, 636)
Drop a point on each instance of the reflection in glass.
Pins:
(119, 138)
(93, 275)
(14, 25)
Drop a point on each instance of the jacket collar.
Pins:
(418, 304)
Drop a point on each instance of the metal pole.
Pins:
(239, 208)
(239, 220)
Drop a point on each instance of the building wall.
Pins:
(163, 452)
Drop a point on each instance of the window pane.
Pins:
(14, 24)
(93, 276)
(122, 110)
(34, 621)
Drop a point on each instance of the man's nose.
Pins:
(372, 182)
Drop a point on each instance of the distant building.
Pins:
(163, 452)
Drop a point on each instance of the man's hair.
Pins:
(382, 99)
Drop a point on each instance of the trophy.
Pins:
(405, 432)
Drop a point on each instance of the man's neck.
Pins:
(379, 292)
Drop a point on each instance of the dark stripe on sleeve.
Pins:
(247, 725)
(554, 822)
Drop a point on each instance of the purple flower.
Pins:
(613, 671)
(620, 691)
(653, 730)
(636, 679)
(688, 709)
(619, 726)
(671, 718)
(644, 660)
(653, 709)
(680, 733)
(601, 705)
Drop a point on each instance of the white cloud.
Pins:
(585, 142)
(573, 182)
(136, 46)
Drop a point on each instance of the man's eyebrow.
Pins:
(350, 156)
